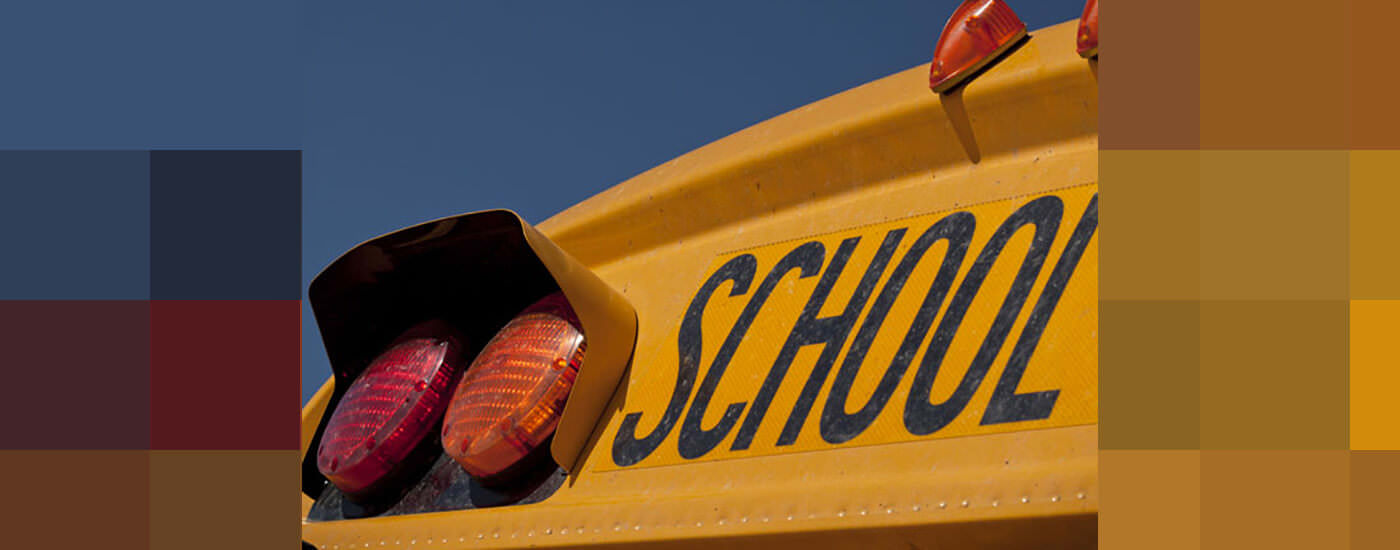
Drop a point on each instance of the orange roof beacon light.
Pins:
(1087, 38)
(978, 32)
(510, 400)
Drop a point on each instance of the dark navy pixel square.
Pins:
(226, 225)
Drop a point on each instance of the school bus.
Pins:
(870, 322)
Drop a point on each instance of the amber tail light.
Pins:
(1087, 38)
(978, 32)
(510, 399)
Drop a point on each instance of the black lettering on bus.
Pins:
(1007, 405)
(838, 426)
(922, 417)
(832, 333)
(790, 347)
(694, 440)
(628, 449)
(829, 332)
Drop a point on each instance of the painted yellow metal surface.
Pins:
(890, 274)
(863, 163)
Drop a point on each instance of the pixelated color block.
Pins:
(1274, 375)
(226, 225)
(76, 374)
(1375, 374)
(1163, 41)
(75, 499)
(84, 74)
(1149, 375)
(224, 374)
(76, 225)
(1281, 500)
(1146, 490)
(218, 500)
(1375, 480)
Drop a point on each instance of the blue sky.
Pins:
(409, 111)
(417, 111)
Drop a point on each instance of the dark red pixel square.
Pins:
(225, 374)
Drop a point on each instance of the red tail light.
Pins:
(1087, 39)
(978, 32)
(390, 409)
(510, 399)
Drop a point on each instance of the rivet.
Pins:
(1080, 496)
(942, 505)
(916, 507)
(862, 511)
(964, 504)
(1025, 500)
(995, 503)
(1055, 498)
(841, 514)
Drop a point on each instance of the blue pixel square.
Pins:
(76, 225)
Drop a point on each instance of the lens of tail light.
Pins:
(392, 407)
(510, 399)
(1087, 39)
(977, 33)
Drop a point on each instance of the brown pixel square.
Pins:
(42, 487)
(1150, 225)
(1149, 76)
(1274, 75)
(1274, 375)
(1374, 83)
(1143, 491)
(1281, 500)
(1149, 375)
(1375, 480)
(247, 499)
(1274, 225)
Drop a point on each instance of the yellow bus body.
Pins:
(859, 165)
